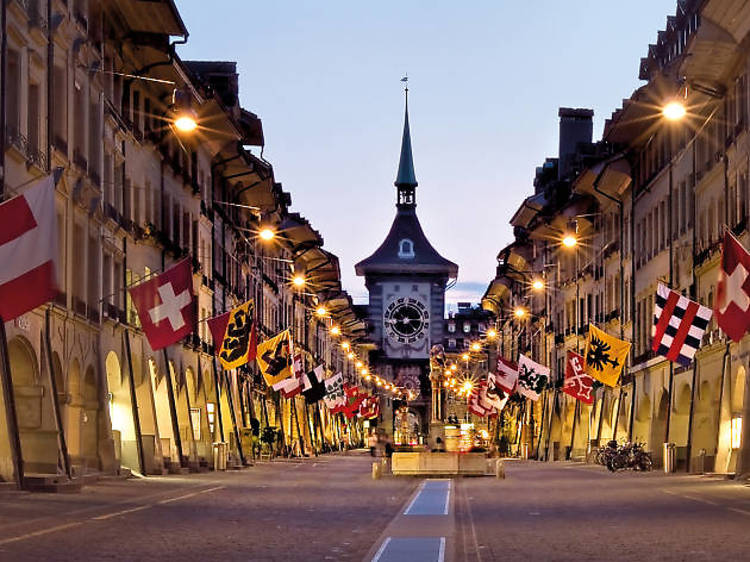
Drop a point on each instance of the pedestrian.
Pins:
(372, 442)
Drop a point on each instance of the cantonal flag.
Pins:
(28, 247)
(532, 377)
(166, 305)
(234, 335)
(506, 375)
(732, 306)
(577, 383)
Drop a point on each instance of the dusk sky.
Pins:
(486, 80)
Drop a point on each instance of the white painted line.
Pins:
(447, 498)
(684, 496)
(415, 498)
(123, 512)
(382, 548)
(737, 510)
(441, 552)
(38, 533)
(186, 496)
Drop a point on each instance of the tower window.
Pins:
(406, 249)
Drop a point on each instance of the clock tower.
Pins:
(406, 279)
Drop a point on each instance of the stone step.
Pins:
(51, 483)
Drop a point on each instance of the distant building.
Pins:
(468, 324)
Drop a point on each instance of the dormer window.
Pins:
(406, 249)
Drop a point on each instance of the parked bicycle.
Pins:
(631, 456)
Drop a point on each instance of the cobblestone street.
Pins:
(330, 509)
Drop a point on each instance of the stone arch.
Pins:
(659, 427)
(34, 412)
(90, 419)
(73, 386)
(642, 420)
(163, 412)
(680, 415)
(120, 413)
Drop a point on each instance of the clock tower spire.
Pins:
(406, 179)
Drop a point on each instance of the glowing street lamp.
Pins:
(491, 333)
(335, 330)
(465, 357)
(476, 346)
(267, 234)
(299, 281)
(674, 110)
(345, 345)
(321, 311)
(538, 284)
(519, 312)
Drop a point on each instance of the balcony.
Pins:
(31, 153)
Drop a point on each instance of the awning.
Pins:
(612, 176)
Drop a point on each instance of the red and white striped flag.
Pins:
(506, 375)
(28, 246)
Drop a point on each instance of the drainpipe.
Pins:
(694, 296)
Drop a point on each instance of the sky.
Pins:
(486, 79)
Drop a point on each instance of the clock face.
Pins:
(407, 320)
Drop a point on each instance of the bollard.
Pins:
(377, 470)
(499, 469)
(669, 457)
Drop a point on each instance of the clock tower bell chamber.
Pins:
(406, 279)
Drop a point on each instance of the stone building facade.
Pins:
(92, 90)
(648, 203)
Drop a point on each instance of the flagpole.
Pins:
(173, 408)
(217, 389)
(10, 409)
(299, 431)
(311, 430)
(134, 405)
(234, 417)
(541, 429)
(61, 443)
(549, 426)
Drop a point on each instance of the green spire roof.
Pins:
(405, 176)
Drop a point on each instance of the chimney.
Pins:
(576, 126)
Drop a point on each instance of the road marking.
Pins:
(178, 498)
(701, 500)
(382, 548)
(432, 498)
(39, 533)
(737, 510)
(123, 512)
(411, 549)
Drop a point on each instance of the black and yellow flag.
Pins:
(235, 335)
(605, 356)
(275, 358)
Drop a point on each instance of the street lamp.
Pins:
(519, 312)
(185, 119)
(321, 311)
(674, 110)
(298, 280)
(267, 234)
(537, 284)
(335, 330)
(476, 347)
(491, 333)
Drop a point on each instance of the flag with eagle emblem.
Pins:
(532, 378)
(605, 356)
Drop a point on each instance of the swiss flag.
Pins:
(28, 245)
(166, 305)
(732, 305)
(577, 383)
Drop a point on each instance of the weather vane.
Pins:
(405, 80)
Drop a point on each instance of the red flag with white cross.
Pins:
(28, 247)
(577, 384)
(732, 305)
(166, 305)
